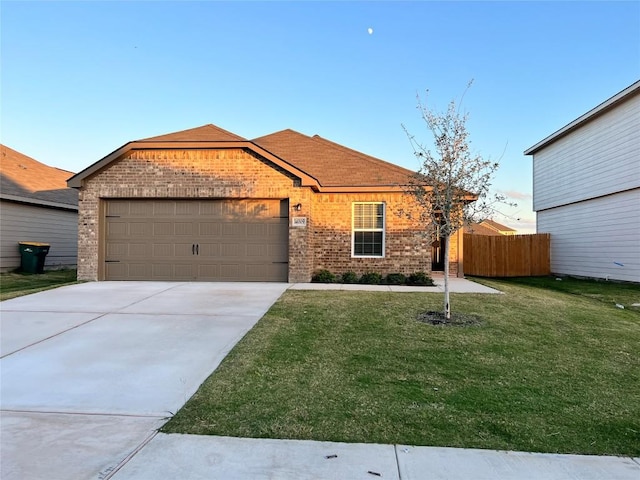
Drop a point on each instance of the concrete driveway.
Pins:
(90, 371)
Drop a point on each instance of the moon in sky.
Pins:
(370, 30)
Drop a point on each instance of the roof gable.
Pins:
(319, 163)
(22, 177)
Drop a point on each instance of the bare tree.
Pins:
(451, 188)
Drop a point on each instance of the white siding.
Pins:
(591, 238)
(19, 222)
(599, 158)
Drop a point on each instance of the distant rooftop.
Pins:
(24, 178)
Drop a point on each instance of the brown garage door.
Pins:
(207, 240)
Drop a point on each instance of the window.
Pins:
(368, 229)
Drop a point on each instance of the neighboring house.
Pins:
(206, 204)
(37, 206)
(586, 190)
(489, 227)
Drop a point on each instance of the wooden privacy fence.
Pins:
(507, 255)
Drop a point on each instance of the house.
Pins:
(206, 204)
(586, 190)
(36, 205)
(489, 227)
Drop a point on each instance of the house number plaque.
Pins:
(299, 222)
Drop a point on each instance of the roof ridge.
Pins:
(178, 136)
(284, 130)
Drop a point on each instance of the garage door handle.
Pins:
(193, 249)
(197, 249)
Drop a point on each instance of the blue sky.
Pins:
(80, 79)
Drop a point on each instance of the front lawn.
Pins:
(17, 284)
(547, 371)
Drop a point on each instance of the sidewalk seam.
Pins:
(395, 449)
(128, 458)
(55, 334)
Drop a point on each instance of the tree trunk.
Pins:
(447, 304)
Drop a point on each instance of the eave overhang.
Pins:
(77, 180)
(306, 180)
(605, 106)
(37, 202)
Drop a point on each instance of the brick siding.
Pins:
(239, 173)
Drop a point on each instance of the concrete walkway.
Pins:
(91, 371)
(456, 285)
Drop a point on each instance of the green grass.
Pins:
(547, 371)
(17, 284)
(611, 293)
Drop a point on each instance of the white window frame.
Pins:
(354, 230)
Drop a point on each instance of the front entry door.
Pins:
(437, 254)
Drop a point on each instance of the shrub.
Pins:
(349, 277)
(323, 276)
(420, 278)
(371, 278)
(395, 279)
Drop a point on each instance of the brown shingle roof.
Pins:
(205, 133)
(22, 176)
(332, 164)
(498, 226)
(318, 162)
(488, 227)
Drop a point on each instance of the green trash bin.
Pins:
(32, 256)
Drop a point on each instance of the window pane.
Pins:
(368, 215)
(367, 243)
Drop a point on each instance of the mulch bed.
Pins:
(456, 320)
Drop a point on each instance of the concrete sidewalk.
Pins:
(195, 456)
(456, 285)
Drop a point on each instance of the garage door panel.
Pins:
(139, 208)
(232, 250)
(138, 271)
(275, 252)
(209, 229)
(116, 271)
(117, 229)
(162, 250)
(227, 240)
(139, 229)
(138, 250)
(187, 208)
(165, 208)
(208, 272)
(183, 249)
(234, 229)
(118, 207)
(256, 250)
(229, 271)
(209, 250)
(183, 228)
(117, 249)
(162, 229)
(162, 271)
